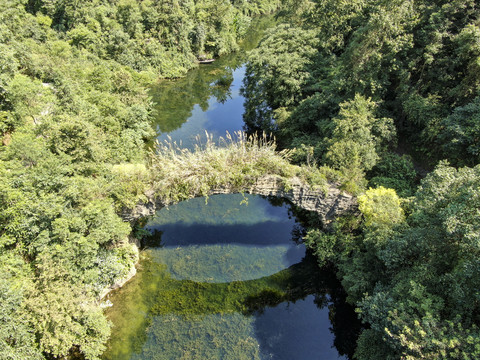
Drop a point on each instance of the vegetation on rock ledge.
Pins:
(180, 174)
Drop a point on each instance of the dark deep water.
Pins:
(225, 280)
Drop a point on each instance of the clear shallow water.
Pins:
(226, 281)
(225, 241)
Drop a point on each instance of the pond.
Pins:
(227, 277)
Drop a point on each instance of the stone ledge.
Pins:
(327, 204)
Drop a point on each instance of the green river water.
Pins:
(227, 279)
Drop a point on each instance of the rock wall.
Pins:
(327, 204)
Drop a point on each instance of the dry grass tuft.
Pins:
(179, 174)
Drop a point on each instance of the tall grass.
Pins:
(234, 164)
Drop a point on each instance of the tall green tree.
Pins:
(275, 76)
(358, 136)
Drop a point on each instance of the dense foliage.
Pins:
(372, 80)
(74, 118)
(350, 84)
(417, 61)
(414, 278)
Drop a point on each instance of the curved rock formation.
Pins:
(327, 204)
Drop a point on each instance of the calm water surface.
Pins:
(208, 98)
(227, 279)
(220, 113)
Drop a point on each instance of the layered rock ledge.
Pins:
(328, 202)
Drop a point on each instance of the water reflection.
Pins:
(276, 317)
(198, 102)
(208, 98)
(294, 331)
(208, 299)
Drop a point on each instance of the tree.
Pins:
(460, 134)
(426, 303)
(17, 341)
(381, 207)
(395, 172)
(275, 76)
(358, 136)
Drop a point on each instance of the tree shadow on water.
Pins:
(312, 321)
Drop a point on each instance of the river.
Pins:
(227, 278)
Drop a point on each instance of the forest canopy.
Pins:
(386, 92)
(383, 94)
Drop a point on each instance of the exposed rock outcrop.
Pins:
(327, 203)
